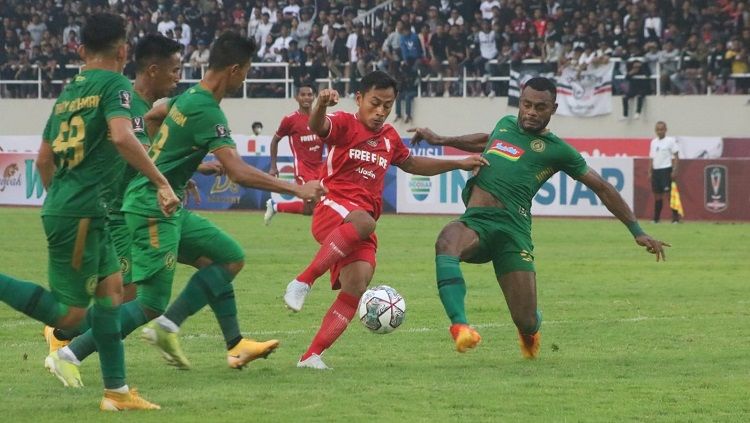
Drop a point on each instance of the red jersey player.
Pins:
(360, 149)
(307, 149)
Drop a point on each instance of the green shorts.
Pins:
(80, 254)
(504, 239)
(123, 244)
(160, 242)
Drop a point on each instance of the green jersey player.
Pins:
(90, 123)
(496, 226)
(188, 127)
(157, 74)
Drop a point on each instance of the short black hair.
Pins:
(307, 84)
(256, 123)
(154, 47)
(541, 83)
(102, 32)
(379, 80)
(231, 49)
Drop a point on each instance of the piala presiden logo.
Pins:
(716, 188)
(420, 187)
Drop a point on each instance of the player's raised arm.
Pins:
(472, 143)
(131, 150)
(318, 122)
(250, 177)
(429, 166)
(617, 205)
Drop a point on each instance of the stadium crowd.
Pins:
(699, 45)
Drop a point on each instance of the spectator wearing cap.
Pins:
(198, 59)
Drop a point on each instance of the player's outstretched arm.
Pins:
(155, 117)
(318, 122)
(473, 143)
(250, 177)
(45, 163)
(429, 166)
(131, 150)
(617, 205)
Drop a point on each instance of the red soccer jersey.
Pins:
(307, 147)
(358, 158)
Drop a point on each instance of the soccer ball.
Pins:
(382, 309)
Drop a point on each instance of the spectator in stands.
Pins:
(438, 49)
(486, 40)
(638, 84)
(687, 78)
(736, 55)
(198, 59)
(304, 28)
(408, 79)
(457, 50)
(264, 28)
(652, 24)
(392, 46)
(187, 32)
(257, 128)
(718, 69)
(36, 28)
(456, 18)
(73, 26)
(253, 23)
(486, 8)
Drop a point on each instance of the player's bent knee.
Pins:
(234, 267)
(72, 319)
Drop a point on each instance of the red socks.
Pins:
(337, 245)
(334, 324)
(291, 207)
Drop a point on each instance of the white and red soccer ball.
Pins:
(382, 309)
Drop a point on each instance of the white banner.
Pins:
(20, 183)
(561, 195)
(700, 147)
(586, 93)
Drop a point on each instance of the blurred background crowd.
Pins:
(432, 46)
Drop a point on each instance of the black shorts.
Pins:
(661, 180)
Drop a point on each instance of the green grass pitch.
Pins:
(624, 338)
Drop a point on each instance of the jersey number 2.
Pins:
(70, 137)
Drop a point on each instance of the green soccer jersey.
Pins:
(194, 126)
(520, 163)
(78, 134)
(122, 172)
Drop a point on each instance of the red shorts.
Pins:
(304, 174)
(327, 216)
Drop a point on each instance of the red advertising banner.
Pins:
(736, 147)
(709, 189)
(611, 147)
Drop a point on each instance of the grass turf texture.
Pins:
(624, 338)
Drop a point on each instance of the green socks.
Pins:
(212, 286)
(451, 287)
(31, 300)
(106, 331)
(131, 318)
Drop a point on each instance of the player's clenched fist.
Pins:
(168, 200)
(328, 97)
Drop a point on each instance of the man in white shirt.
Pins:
(264, 28)
(664, 154)
(486, 8)
(282, 41)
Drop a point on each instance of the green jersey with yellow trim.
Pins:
(78, 134)
(194, 127)
(122, 171)
(521, 162)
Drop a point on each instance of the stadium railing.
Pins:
(281, 73)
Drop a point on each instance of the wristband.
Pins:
(635, 228)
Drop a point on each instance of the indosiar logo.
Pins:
(420, 187)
